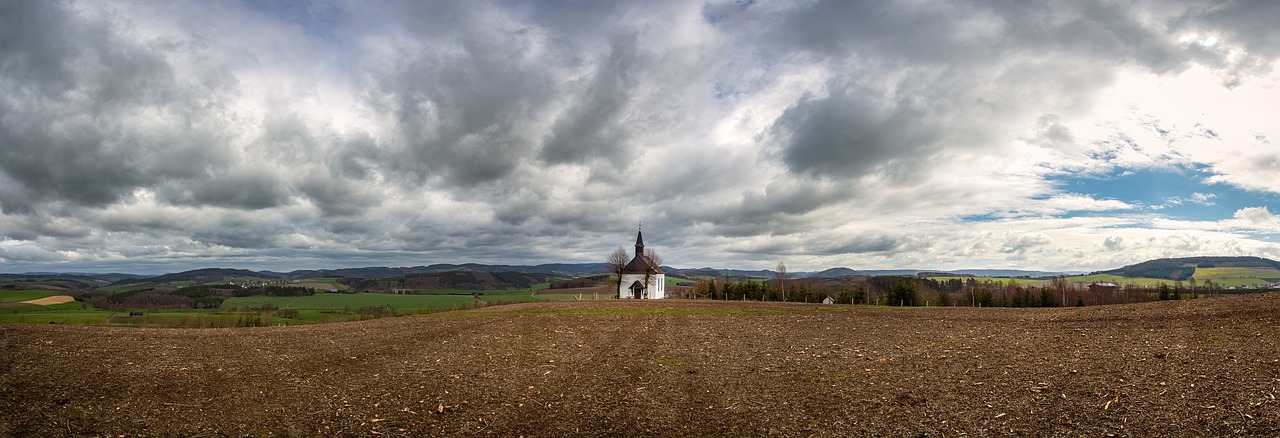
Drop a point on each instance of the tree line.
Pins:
(915, 291)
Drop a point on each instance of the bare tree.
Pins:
(1061, 286)
(781, 276)
(654, 258)
(655, 263)
(616, 262)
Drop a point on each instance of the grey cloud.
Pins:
(784, 207)
(838, 28)
(136, 221)
(1054, 135)
(845, 135)
(242, 231)
(64, 159)
(1250, 24)
(34, 226)
(334, 196)
(465, 115)
(791, 199)
(500, 89)
(28, 253)
(1113, 243)
(245, 187)
(861, 244)
(1022, 244)
(593, 127)
(357, 156)
(974, 33)
(577, 17)
(865, 243)
(88, 117)
(900, 94)
(28, 55)
(1108, 32)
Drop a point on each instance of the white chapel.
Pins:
(642, 278)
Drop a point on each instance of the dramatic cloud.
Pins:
(150, 137)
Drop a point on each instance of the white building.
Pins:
(641, 278)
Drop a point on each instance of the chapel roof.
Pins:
(639, 264)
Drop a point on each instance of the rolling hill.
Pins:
(835, 273)
(1182, 269)
(192, 278)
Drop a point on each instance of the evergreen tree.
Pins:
(902, 292)
(1046, 297)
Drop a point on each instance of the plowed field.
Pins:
(1189, 368)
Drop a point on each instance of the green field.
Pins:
(1226, 277)
(1229, 277)
(240, 311)
(1006, 280)
(17, 296)
(1118, 280)
(320, 284)
(73, 313)
(673, 281)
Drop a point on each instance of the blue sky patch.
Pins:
(1174, 192)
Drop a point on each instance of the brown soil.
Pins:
(1190, 368)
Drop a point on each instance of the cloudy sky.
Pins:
(161, 136)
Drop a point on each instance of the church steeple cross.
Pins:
(640, 239)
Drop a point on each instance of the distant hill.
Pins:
(932, 274)
(972, 272)
(1173, 269)
(376, 272)
(366, 272)
(190, 278)
(1010, 273)
(455, 279)
(550, 268)
(55, 281)
(835, 273)
(1178, 269)
(881, 272)
(715, 272)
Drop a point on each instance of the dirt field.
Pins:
(49, 301)
(1208, 367)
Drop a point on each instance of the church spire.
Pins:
(639, 241)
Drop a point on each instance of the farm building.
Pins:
(642, 278)
(1103, 287)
